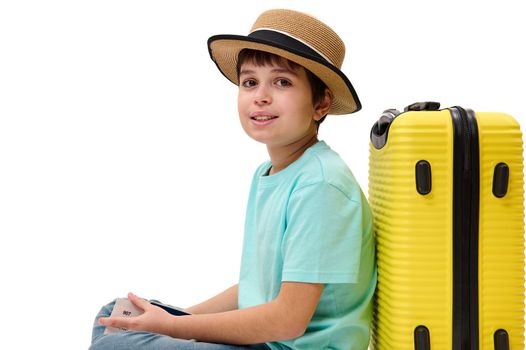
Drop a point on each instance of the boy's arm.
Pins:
(224, 301)
(286, 317)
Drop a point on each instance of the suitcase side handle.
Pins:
(380, 129)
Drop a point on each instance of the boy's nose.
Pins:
(262, 95)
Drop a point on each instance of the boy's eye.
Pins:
(249, 83)
(283, 82)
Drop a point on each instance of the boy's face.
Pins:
(275, 104)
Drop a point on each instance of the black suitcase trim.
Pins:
(466, 198)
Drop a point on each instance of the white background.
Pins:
(122, 163)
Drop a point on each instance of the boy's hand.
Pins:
(154, 319)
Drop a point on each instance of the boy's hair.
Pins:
(262, 58)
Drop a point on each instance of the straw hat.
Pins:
(297, 37)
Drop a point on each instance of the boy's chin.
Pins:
(262, 141)
(259, 138)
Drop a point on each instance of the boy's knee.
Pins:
(135, 341)
(106, 309)
(112, 341)
(98, 330)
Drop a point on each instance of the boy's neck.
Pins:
(281, 157)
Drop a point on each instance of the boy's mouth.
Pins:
(262, 118)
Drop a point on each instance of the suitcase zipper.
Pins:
(465, 229)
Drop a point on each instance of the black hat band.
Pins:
(283, 40)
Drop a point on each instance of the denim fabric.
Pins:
(151, 341)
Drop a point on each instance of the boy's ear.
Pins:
(323, 107)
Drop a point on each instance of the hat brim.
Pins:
(224, 51)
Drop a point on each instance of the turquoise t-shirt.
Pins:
(310, 222)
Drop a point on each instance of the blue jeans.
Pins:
(151, 341)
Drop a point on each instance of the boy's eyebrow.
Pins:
(283, 70)
(246, 71)
(274, 70)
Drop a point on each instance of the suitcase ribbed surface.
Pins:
(501, 232)
(414, 249)
(414, 232)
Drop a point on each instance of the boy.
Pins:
(308, 272)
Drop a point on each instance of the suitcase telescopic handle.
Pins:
(423, 106)
(380, 129)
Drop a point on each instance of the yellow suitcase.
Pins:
(446, 190)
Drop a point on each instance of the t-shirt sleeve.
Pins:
(323, 238)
